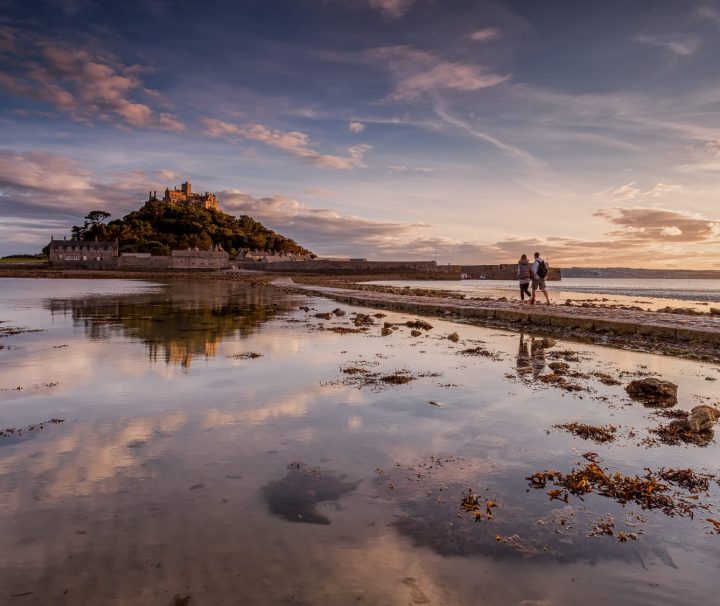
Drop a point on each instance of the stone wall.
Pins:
(179, 259)
(329, 266)
(502, 272)
(140, 261)
(200, 259)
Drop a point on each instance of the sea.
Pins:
(214, 442)
(649, 294)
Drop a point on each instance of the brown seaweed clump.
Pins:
(596, 433)
(362, 377)
(648, 492)
(248, 355)
(688, 479)
(674, 435)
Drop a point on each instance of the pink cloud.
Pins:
(295, 143)
(418, 72)
(86, 84)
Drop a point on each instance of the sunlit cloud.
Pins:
(486, 34)
(392, 8)
(87, 84)
(419, 72)
(356, 127)
(294, 143)
(682, 47)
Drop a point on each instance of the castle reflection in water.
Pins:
(178, 322)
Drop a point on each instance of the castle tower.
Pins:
(186, 188)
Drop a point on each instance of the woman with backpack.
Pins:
(524, 277)
(538, 272)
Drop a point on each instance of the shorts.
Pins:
(538, 283)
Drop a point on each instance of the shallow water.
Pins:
(649, 294)
(183, 468)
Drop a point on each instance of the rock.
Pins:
(339, 312)
(714, 311)
(701, 418)
(386, 331)
(418, 324)
(546, 343)
(325, 316)
(415, 333)
(454, 337)
(363, 320)
(559, 367)
(653, 391)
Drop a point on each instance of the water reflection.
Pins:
(530, 357)
(179, 323)
(163, 483)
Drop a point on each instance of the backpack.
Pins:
(542, 270)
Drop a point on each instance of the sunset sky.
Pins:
(462, 131)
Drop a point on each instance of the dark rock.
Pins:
(325, 316)
(415, 333)
(653, 391)
(701, 418)
(454, 337)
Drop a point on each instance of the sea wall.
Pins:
(329, 266)
(502, 272)
(180, 259)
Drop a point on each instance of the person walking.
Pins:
(523, 274)
(538, 273)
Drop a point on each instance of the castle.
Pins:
(186, 196)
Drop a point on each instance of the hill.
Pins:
(160, 226)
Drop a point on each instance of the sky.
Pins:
(464, 131)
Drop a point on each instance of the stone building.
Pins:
(216, 258)
(185, 195)
(263, 256)
(90, 254)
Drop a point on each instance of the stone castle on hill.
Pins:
(185, 195)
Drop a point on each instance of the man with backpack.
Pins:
(538, 272)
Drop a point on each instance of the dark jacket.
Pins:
(523, 271)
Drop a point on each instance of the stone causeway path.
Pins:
(664, 326)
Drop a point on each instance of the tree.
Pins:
(95, 217)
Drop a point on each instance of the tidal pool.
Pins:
(149, 457)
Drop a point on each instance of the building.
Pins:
(90, 254)
(185, 195)
(263, 256)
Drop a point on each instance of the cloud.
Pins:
(640, 224)
(356, 127)
(320, 229)
(42, 171)
(392, 8)
(419, 72)
(713, 147)
(625, 192)
(508, 149)
(404, 168)
(660, 189)
(45, 194)
(294, 143)
(630, 191)
(709, 12)
(682, 47)
(87, 84)
(485, 35)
